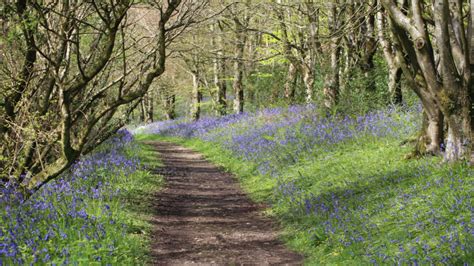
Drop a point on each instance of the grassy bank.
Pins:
(96, 212)
(355, 200)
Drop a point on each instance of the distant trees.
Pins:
(330, 48)
(300, 43)
(72, 71)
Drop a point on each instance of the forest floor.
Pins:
(202, 216)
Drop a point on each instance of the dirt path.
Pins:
(203, 217)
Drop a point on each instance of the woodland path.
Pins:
(202, 216)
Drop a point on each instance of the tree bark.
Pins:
(394, 70)
(443, 71)
(241, 39)
(295, 65)
(395, 84)
(219, 73)
(146, 109)
(308, 79)
(332, 82)
(168, 100)
(454, 96)
(313, 48)
(471, 80)
(150, 108)
(196, 97)
(143, 112)
(431, 134)
(369, 46)
(290, 82)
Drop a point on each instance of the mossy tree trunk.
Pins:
(196, 96)
(332, 79)
(393, 63)
(219, 71)
(240, 41)
(445, 86)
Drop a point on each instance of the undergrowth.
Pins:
(97, 212)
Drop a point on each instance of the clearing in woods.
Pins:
(203, 216)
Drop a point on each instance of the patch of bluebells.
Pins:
(429, 225)
(72, 217)
(423, 215)
(277, 136)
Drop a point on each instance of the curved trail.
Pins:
(202, 216)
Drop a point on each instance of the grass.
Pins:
(137, 197)
(357, 201)
(96, 213)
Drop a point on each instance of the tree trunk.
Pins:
(471, 81)
(331, 84)
(454, 95)
(241, 39)
(169, 106)
(238, 88)
(314, 48)
(345, 71)
(146, 109)
(394, 70)
(219, 73)
(370, 47)
(221, 87)
(458, 140)
(434, 129)
(290, 83)
(196, 97)
(395, 85)
(308, 80)
(143, 112)
(368, 66)
(150, 108)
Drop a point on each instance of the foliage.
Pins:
(72, 73)
(88, 214)
(340, 186)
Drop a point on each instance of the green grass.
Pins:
(380, 207)
(138, 196)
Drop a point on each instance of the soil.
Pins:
(202, 216)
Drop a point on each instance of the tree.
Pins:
(437, 61)
(240, 25)
(219, 68)
(147, 108)
(332, 80)
(392, 58)
(81, 72)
